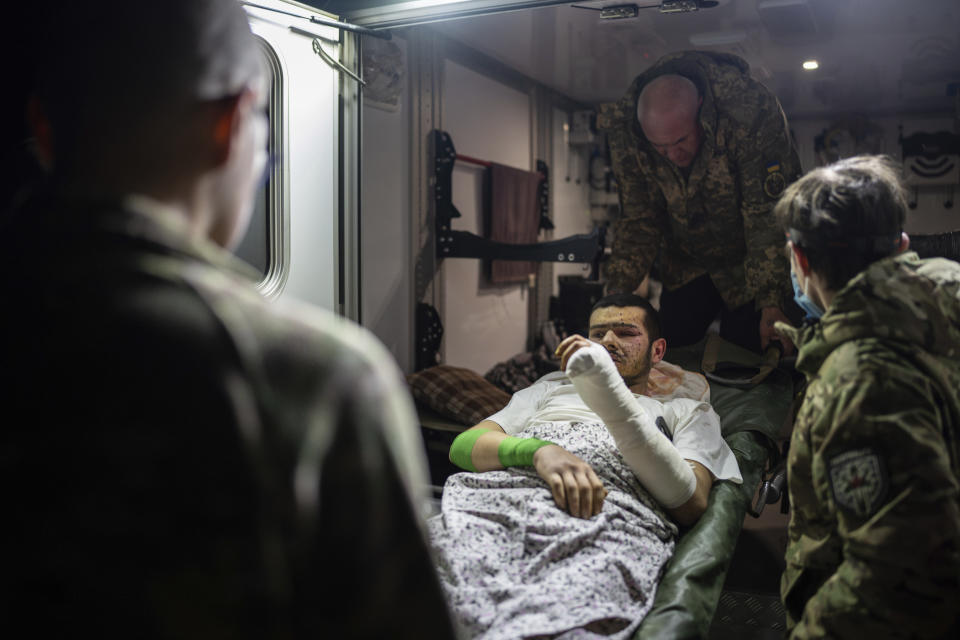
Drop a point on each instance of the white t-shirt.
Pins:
(694, 426)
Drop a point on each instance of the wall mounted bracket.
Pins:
(585, 248)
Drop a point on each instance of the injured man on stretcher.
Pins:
(570, 515)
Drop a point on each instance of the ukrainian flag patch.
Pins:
(774, 183)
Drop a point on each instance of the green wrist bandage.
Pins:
(518, 452)
(462, 447)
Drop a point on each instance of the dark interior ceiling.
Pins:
(876, 56)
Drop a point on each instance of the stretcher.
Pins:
(753, 419)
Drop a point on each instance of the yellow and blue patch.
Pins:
(774, 183)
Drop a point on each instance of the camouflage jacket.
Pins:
(190, 460)
(719, 220)
(874, 461)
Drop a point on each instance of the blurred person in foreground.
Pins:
(181, 458)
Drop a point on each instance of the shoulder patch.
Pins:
(858, 480)
(774, 183)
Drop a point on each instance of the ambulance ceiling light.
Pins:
(631, 10)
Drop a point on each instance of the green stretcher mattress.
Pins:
(751, 421)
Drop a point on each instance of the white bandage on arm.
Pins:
(652, 457)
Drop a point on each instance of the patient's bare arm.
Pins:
(484, 453)
(575, 486)
(690, 511)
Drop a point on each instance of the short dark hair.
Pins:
(110, 74)
(651, 318)
(845, 216)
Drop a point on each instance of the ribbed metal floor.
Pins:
(748, 616)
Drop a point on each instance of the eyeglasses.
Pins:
(268, 160)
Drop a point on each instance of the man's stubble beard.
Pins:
(643, 370)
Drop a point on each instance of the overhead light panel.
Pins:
(382, 14)
(619, 11)
(810, 65)
(678, 6)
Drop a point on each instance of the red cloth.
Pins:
(512, 216)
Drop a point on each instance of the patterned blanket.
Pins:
(514, 565)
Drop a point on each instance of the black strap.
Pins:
(871, 245)
(662, 424)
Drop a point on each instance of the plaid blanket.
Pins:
(523, 369)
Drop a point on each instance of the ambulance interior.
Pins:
(378, 203)
(520, 88)
(517, 87)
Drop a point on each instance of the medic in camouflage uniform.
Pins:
(874, 461)
(709, 214)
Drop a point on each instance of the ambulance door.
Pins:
(302, 237)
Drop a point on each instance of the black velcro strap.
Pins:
(870, 245)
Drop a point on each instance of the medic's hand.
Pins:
(768, 316)
(575, 487)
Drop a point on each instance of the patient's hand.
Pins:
(589, 366)
(575, 486)
(569, 346)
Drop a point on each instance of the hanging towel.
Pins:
(512, 215)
